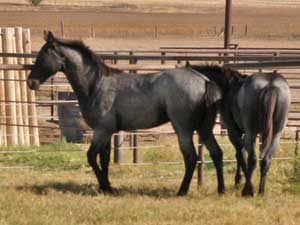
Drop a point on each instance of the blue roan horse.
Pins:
(251, 105)
(111, 101)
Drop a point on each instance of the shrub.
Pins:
(35, 2)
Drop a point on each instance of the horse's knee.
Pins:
(265, 166)
(213, 148)
(217, 154)
(193, 158)
(252, 160)
(188, 151)
(190, 157)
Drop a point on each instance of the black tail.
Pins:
(213, 93)
(268, 100)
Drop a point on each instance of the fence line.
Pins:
(263, 58)
(16, 41)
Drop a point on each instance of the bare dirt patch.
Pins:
(183, 21)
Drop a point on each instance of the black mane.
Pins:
(89, 54)
(224, 77)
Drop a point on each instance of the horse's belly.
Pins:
(141, 119)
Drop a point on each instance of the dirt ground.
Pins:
(123, 23)
(124, 27)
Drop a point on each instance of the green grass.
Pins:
(60, 188)
(35, 2)
(60, 155)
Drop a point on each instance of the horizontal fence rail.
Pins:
(154, 60)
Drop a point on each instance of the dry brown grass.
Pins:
(66, 193)
(69, 197)
(182, 21)
(61, 189)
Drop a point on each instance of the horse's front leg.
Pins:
(249, 157)
(99, 145)
(105, 151)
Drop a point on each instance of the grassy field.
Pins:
(58, 187)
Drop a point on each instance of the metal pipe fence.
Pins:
(153, 60)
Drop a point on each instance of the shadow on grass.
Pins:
(67, 187)
(91, 190)
(147, 191)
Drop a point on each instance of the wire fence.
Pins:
(50, 107)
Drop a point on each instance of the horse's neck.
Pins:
(80, 73)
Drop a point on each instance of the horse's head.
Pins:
(48, 62)
(233, 77)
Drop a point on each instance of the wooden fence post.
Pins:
(200, 164)
(215, 31)
(62, 28)
(118, 137)
(133, 136)
(52, 97)
(93, 32)
(3, 140)
(115, 61)
(133, 145)
(296, 142)
(10, 94)
(296, 152)
(163, 61)
(33, 122)
(23, 85)
(118, 141)
(156, 32)
(20, 124)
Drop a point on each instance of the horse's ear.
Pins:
(228, 74)
(48, 36)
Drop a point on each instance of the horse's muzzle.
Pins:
(33, 84)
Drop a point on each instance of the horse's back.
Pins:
(184, 86)
(186, 98)
(255, 84)
(144, 101)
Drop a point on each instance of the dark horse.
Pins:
(251, 105)
(111, 101)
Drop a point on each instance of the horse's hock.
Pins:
(71, 123)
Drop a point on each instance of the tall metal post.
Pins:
(227, 30)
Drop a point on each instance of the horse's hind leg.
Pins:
(216, 155)
(205, 131)
(249, 141)
(187, 148)
(266, 163)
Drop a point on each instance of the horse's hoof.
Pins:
(247, 192)
(108, 190)
(222, 191)
(261, 193)
(237, 183)
(237, 179)
(182, 193)
(237, 186)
